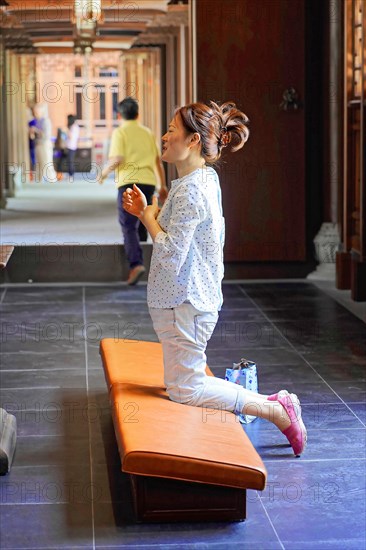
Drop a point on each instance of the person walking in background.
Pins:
(73, 132)
(135, 156)
(60, 151)
(43, 144)
(184, 293)
(32, 122)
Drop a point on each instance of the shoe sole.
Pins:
(136, 278)
(301, 423)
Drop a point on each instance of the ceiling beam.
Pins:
(52, 20)
(68, 4)
(35, 26)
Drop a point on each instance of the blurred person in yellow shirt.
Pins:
(135, 157)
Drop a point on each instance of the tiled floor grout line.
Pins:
(266, 348)
(89, 428)
(44, 548)
(160, 545)
(30, 387)
(37, 435)
(76, 370)
(73, 284)
(3, 296)
(58, 302)
(302, 356)
(27, 353)
(270, 521)
(139, 546)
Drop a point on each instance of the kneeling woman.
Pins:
(184, 286)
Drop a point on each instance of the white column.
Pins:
(87, 105)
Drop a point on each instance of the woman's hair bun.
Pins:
(217, 125)
(233, 125)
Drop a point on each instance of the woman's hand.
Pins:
(134, 201)
(152, 210)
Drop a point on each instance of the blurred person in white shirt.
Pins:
(73, 131)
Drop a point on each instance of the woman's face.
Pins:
(176, 142)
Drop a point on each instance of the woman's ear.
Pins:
(195, 139)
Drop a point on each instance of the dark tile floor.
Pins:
(66, 490)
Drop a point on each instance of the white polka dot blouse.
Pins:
(187, 258)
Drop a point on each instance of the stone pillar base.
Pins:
(326, 245)
(323, 272)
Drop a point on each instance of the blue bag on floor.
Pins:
(245, 374)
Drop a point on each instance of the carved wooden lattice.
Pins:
(351, 263)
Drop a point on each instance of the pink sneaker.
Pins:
(296, 433)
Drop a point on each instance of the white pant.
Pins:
(184, 332)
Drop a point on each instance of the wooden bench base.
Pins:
(158, 500)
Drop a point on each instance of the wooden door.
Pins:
(251, 51)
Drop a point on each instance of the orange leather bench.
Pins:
(186, 463)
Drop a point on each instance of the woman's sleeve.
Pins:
(188, 211)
